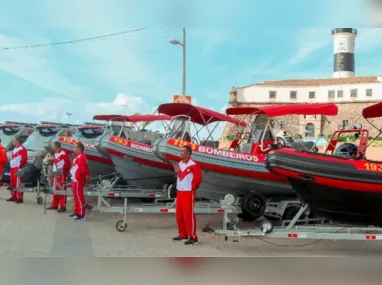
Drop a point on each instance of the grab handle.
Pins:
(306, 178)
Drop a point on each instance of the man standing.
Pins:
(3, 161)
(189, 180)
(80, 176)
(61, 164)
(18, 160)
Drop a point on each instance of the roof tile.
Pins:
(317, 82)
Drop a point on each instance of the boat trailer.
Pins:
(162, 201)
(330, 231)
(105, 190)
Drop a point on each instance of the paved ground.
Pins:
(26, 231)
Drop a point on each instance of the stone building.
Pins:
(351, 94)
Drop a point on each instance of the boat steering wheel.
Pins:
(280, 141)
(195, 140)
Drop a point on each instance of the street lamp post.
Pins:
(68, 115)
(183, 44)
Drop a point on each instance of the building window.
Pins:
(331, 94)
(353, 93)
(293, 95)
(272, 94)
(340, 93)
(309, 130)
(312, 95)
(369, 92)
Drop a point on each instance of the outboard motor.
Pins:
(47, 169)
(346, 150)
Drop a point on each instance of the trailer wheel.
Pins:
(253, 205)
(266, 227)
(121, 226)
(40, 200)
(171, 190)
(291, 212)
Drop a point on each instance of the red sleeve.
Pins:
(66, 165)
(24, 158)
(3, 156)
(83, 170)
(198, 178)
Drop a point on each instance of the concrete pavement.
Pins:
(26, 231)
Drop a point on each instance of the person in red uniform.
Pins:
(61, 163)
(19, 159)
(80, 176)
(3, 161)
(189, 180)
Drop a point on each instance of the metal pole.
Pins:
(184, 63)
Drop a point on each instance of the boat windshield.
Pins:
(6, 138)
(89, 135)
(36, 140)
(179, 128)
(259, 129)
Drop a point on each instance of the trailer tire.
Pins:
(291, 212)
(121, 226)
(266, 227)
(171, 190)
(39, 200)
(252, 205)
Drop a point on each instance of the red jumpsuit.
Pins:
(18, 160)
(3, 162)
(80, 173)
(61, 161)
(189, 180)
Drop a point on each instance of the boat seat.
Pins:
(245, 147)
(303, 146)
(145, 141)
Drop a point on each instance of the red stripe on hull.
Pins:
(235, 172)
(147, 162)
(335, 183)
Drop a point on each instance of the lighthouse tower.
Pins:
(344, 41)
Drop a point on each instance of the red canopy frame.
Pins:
(198, 115)
(327, 109)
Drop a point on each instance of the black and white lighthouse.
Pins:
(344, 42)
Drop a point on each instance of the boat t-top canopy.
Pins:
(373, 111)
(198, 115)
(327, 109)
(132, 118)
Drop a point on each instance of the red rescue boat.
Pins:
(129, 146)
(238, 170)
(341, 184)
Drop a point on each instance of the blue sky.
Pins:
(227, 45)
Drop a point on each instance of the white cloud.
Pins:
(55, 108)
(309, 41)
(34, 66)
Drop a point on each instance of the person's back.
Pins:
(3, 156)
(3, 162)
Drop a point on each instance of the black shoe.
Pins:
(73, 215)
(178, 238)
(19, 201)
(10, 200)
(191, 241)
(61, 210)
(51, 208)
